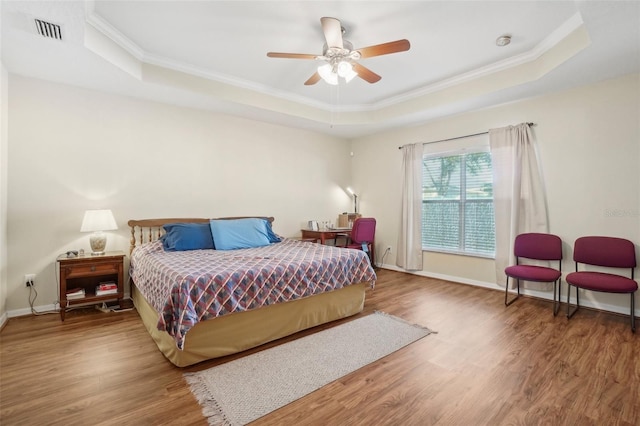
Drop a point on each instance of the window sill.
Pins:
(460, 253)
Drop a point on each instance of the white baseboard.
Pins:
(27, 311)
(3, 320)
(528, 292)
(41, 308)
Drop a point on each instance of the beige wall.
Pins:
(161, 160)
(72, 149)
(589, 143)
(3, 193)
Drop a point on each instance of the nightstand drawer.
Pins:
(96, 268)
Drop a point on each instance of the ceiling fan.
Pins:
(340, 56)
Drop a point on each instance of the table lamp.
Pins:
(355, 200)
(97, 221)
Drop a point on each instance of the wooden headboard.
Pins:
(147, 230)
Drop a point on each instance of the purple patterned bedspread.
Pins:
(186, 287)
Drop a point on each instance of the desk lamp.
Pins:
(355, 200)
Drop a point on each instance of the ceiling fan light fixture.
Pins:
(332, 72)
(350, 74)
(343, 68)
(327, 74)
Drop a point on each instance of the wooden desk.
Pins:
(323, 235)
(331, 234)
(307, 239)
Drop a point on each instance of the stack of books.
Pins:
(106, 288)
(75, 293)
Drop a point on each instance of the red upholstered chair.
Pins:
(536, 246)
(362, 236)
(609, 252)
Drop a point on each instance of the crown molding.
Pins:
(553, 39)
(545, 45)
(100, 24)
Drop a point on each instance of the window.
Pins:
(457, 203)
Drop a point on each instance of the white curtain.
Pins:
(518, 191)
(410, 237)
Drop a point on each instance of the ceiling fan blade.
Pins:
(365, 73)
(291, 55)
(332, 32)
(385, 48)
(313, 79)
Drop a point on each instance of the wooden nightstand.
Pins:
(86, 273)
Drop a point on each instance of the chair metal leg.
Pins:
(506, 293)
(570, 313)
(633, 309)
(556, 305)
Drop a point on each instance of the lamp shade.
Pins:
(98, 220)
(327, 74)
(345, 70)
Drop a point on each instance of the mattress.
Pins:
(189, 287)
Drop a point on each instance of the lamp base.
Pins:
(98, 242)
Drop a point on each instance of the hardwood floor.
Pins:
(488, 365)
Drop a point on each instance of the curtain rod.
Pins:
(462, 137)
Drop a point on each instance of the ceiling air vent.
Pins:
(49, 30)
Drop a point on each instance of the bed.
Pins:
(203, 304)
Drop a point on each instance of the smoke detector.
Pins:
(503, 40)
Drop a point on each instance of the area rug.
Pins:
(247, 388)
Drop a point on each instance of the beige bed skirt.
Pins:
(240, 331)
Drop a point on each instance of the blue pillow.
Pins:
(273, 238)
(231, 234)
(187, 236)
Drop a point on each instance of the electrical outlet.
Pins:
(29, 279)
(389, 249)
